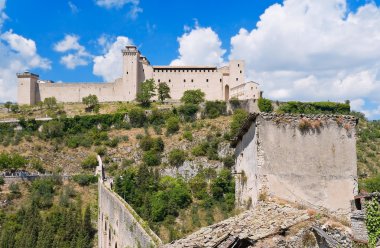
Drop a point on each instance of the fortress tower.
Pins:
(130, 77)
(27, 88)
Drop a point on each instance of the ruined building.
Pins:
(217, 83)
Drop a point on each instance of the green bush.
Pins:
(152, 158)
(265, 105)
(172, 125)
(42, 192)
(177, 157)
(188, 135)
(37, 165)
(12, 161)
(137, 117)
(229, 161)
(53, 129)
(235, 102)
(148, 143)
(2, 182)
(112, 142)
(188, 111)
(101, 150)
(238, 119)
(215, 109)
(371, 184)
(90, 162)
(85, 179)
(314, 108)
(193, 97)
(200, 149)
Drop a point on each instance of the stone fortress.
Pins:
(217, 83)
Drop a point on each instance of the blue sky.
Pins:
(296, 49)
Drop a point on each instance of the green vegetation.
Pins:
(147, 91)
(160, 199)
(41, 224)
(177, 157)
(265, 105)
(85, 179)
(188, 111)
(90, 162)
(172, 125)
(12, 161)
(215, 109)
(193, 97)
(238, 119)
(208, 148)
(92, 103)
(152, 158)
(163, 91)
(314, 108)
(373, 221)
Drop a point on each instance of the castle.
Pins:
(217, 83)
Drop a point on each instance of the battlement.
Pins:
(27, 74)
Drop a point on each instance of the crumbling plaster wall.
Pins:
(313, 165)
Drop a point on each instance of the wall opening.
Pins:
(226, 92)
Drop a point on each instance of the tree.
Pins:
(92, 103)
(146, 92)
(53, 129)
(193, 97)
(237, 121)
(177, 157)
(265, 105)
(163, 91)
(50, 102)
(8, 105)
(15, 108)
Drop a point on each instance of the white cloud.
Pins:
(109, 4)
(199, 46)
(109, 65)
(78, 56)
(314, 50)
(74, 9)
(3, 16)
(17, 55)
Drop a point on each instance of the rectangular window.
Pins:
(237, 79)
(184, 80)
(238, 65)
(159, 80)
(220, 80)
(206, 80)
(169, 80)
(192, 80)
(241, 71)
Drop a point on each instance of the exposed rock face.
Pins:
(268, 225)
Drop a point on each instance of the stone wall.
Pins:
(119, 226)
(359, 229)
(306, 159)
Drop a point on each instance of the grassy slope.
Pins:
(368, 148)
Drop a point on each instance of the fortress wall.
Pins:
(119, 225)
(213, 88)
(315, 166)
(74, 92)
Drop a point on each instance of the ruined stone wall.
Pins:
(310, 160)
(74, 92)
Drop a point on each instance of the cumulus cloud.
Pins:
(109, 4)
(78, 55)
(109, 65)
(314, 50)
(199, 46)
(17, 55)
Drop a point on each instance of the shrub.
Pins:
(177, 157)
(85, 179)
(12, 161)
(188, 135)
(371, 184)
(42, 192)
(90, 162)
(188, 111)
(37, 165)
(229, 161)
(172, 125)
(265, 105)
(234, 102)
(214, 109)
(147, 91)
(2, 181)
(152, 158)
(101, 150)
(53, 129)
(146, 143)
(200, 149)
(163, 91)
(137, 117)
(14, 189)
(92, 103)
(127, 162)
(238, 119)
(113, 142)
(193, 97)
(314, 108)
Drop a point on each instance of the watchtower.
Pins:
(131, 60)
(27, 87)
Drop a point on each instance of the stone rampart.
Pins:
(118, 224)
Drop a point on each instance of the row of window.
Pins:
(192, 80)
(183, 70)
